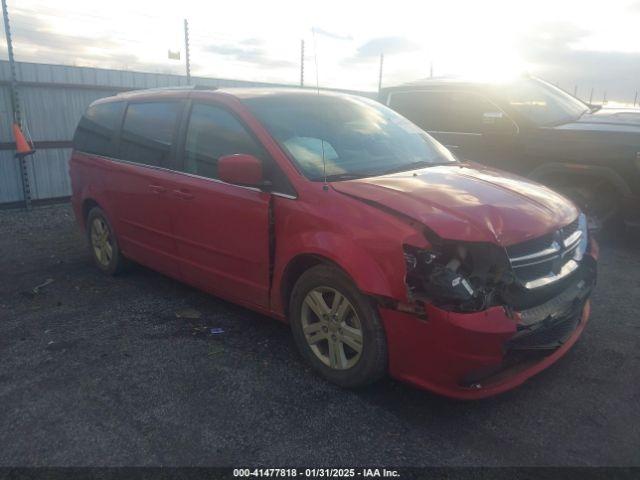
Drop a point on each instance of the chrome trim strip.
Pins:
(215, 180)
(569, 250)
(544, 260)
(573, 238)
(554, 248)
(284, 195)
(567, 269)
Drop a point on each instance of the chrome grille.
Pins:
(530, 246)
(571, 228)
(549, 258)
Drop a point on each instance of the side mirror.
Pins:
(240, 169)
(498, 123)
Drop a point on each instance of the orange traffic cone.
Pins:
(22, 146)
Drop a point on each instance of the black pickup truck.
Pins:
(535, 129)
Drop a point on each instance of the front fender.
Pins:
(380, 274)
(362, 240)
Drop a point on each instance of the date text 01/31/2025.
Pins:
(316, 472)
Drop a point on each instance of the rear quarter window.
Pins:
(97, 128)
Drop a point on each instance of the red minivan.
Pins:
(331, 212)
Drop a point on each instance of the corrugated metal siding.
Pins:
(51, 112)
(10, 182)
(49, 173)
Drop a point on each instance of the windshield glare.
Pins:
(541, 102)
(357, 137)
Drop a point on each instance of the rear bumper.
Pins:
(476, 355)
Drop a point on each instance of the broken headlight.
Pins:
(456, 276)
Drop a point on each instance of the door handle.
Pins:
(452, 147)
(183, 194)
(157, 188)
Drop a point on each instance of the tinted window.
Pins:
(443, 111)
(211, 134)
(147, 133)
(97, 127)
(344, 136)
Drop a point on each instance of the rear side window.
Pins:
(211, 134)
(443, 111)
(148, 131)
(97, 128)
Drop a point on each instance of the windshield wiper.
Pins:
(341, 176)
(355, 175)
(413, 166)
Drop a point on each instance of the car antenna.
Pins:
(325, 186)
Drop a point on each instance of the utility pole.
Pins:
(15, 104)
(604, 98)
(302, 63)
(431, 69)
(186, 51)
(575, 90)
(380, 72)
(635, 99)
(591, 97)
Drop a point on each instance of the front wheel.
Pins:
(336, 328)
(599, 202)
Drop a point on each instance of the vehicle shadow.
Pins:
(253, 335)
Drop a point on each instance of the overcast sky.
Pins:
(588, 44)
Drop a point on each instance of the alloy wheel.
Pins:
(332, 328)
(101, 241)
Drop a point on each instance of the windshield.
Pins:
(356, 136)
(541, 102)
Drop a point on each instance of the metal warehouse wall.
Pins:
(52, 99)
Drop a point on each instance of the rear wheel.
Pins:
(337, 329)
(103, 243)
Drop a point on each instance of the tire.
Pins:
(327, 339)
(103, 244)
(599, 201)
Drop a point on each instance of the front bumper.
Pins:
(481, 354)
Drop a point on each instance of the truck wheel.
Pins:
(336, 328)
(103, 243)
(599, 203)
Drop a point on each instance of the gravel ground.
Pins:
(97, 370)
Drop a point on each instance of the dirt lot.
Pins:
(99, 371)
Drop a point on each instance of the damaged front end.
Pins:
(470, 277)
(493, 315)
(462, 277)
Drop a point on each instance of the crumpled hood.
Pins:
(467, 202)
